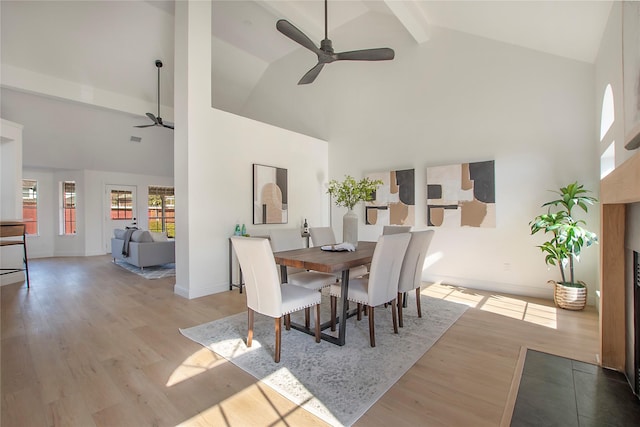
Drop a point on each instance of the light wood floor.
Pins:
(92, 344)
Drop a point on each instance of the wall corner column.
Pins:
(612, 279)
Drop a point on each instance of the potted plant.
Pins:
(567, 238)
(348, 193)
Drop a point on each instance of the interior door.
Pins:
(120, 210)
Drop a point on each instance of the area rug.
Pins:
(152, 272)
(337, 384)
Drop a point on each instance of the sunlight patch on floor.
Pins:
(201, 361)
(508, 306)
(453, 294)
(522, 310)
(224, 412)
(197, 363)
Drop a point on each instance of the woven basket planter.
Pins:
(569, 297)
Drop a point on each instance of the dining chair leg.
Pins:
(317, 322)
(394, 317)
(287, 321)
(334, 301)
(307, 313)
(249, 327)
(399, 304)
(418, 302)
(278, 336)
(372, 332)
(359, 310)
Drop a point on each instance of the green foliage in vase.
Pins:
(349, 191)
(568, 236)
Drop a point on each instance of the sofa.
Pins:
(145, 248)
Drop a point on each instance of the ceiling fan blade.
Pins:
(153, 118)
(163, 124)
(311, 75)
(144, 126)
(290, 30)
(379, 54)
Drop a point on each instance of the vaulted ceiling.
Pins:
(109, 47)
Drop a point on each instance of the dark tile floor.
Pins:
(555, 391)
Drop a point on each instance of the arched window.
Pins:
(608, 158)
(608, 114)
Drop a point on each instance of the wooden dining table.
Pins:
(327, 262)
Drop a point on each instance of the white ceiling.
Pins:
(112, 45)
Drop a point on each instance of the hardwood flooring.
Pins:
(91, 344)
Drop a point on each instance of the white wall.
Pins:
(11, 175)
(481, 100)
(214, 153)
(96, 242)
(609, 71)
(62, 134)
(456, 98)
(608, 68)
(91, 209)
(70, 141)
(459, 98)
(11, 193)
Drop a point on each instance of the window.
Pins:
(608, 160)
(30, 205)
(608, 112)
(68, 208)
(162, 210)
(121, 204)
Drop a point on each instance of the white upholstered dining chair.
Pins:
(321, 236)
(395, 229)
(380, 286)
(265, 294)
(288, 239)
(411, 272)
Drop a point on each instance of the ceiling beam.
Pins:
(411, 16)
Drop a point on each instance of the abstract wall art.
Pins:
(461, 195)
(394, 201)
(270, 203)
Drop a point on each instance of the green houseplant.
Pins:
(348, 193)
(568, 236)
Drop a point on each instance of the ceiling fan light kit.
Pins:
(157, 120)
(325, 53)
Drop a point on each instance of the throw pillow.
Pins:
(159, 236)
(141, 236)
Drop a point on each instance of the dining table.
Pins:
(327, 261)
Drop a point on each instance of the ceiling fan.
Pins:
(325, 52)
(157, 120)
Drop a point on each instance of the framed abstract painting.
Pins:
(270, 195)
(394, 201)
(461, 195)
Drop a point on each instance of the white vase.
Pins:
(350, 228)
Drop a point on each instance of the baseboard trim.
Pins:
(543, 291)
(190, 293)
